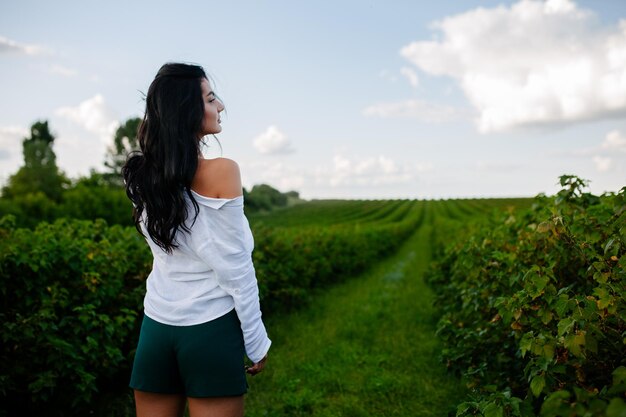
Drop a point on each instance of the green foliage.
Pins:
(38, 191)
(291, 261)
(97, 196)
(533, 307)
(264, 197)
(40, 173)
(71, 293)
(88, 198)
(93, 198)
(30, 208)
(358, 350)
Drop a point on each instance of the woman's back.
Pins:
(217, 178)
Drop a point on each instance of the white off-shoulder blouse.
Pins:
(209, 273)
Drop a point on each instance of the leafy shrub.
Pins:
(291, 261)
(70, 294)
(534, 306)
(88, 198)
(29, 209)
(90, 202)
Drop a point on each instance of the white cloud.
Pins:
(10, 46)
(614, 141)
(273, 142)
(371, 171)
(386, 75)
(602, 164)
(414, 109)
(279, 175)
(375, 174)
(607, 156)
(94, 116)
(63, 71)
(410, 75)
(534, 62)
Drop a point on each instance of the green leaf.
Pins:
(556, 404)
(604, 297)
(546, 316)
(574, 342)
(526, 343)
(601, 277)
(608, 245)
(540, 281)
(561, 305)
(616, 408)
(537, 384)
(462, 408)
(619, 375)
(548, 350)
(565, 325)
(493, 410)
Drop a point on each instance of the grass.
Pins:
(366, 347)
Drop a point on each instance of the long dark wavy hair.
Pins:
(158, 177)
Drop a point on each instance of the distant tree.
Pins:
(264, 197)
(40, 172)
(92, 197)
(124, 142)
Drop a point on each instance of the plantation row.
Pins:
(71, 294)
(294, 260)
(326, 213)
(533, 305)
(72, 290)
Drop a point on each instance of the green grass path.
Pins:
(366, 347)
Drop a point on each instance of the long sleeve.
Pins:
(228, 251)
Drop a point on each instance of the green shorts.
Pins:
(203, 360)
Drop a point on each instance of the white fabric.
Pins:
(209, 273)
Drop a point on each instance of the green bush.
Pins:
(98, 196)
(291, 261)
(72, 291)
(534, 308)
(88, 202)
(88, 198)
(70, 294)
(30, 209)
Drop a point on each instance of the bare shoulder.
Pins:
(218, 178)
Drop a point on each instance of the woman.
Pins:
(201, 309)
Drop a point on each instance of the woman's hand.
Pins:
(257, 367)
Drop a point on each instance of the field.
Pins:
(367, 346)
(494, 307)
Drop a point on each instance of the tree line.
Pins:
(40, 191)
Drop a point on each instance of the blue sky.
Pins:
(342, 99)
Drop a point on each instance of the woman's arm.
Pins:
(228, 251)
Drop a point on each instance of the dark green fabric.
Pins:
(204, 360)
